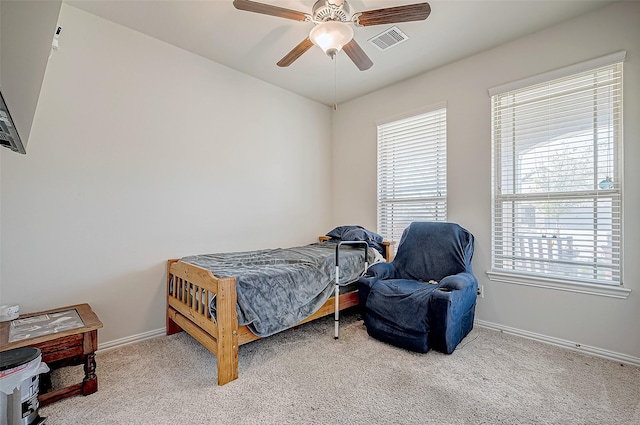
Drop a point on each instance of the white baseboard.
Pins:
(580, 348)
(121, 342)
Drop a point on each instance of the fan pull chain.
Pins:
(335, 82)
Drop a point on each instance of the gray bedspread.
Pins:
(278, 288)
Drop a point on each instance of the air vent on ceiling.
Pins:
(389, 38)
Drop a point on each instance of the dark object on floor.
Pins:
(426, 297)
(19, 378)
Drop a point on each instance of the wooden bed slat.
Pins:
(207, 324)
(209, 342)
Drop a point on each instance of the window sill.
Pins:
(561, 285)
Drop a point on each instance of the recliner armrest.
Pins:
(460, 281)
(365, 283)
(381, 271)
(460, 289)
(451, 311)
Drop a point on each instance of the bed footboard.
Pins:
(189, 289)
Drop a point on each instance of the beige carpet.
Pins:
(304, 376)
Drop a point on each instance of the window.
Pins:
(557, 189)
(412, 172)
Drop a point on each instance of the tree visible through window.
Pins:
(557, 193)
(412, 172)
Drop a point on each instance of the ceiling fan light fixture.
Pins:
(331, 36)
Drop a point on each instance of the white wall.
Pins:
(141, 152)
(26, 31)
(609, 325)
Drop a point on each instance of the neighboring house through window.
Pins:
(412, 171)
(557, 178)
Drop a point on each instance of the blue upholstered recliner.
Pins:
(403, 308)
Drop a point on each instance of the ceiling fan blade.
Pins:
(267, 9)
(296, 52)
(357, 55)
(392, 15)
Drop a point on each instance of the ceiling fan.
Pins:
(332, 31)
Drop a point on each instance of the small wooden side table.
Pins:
(61, 347)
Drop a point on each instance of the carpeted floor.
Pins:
(304, 376)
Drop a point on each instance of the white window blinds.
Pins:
(557, 193)
(412, 172)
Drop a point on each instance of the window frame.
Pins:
(543, 280)
(436, 200)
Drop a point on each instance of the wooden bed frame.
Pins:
(187, 309)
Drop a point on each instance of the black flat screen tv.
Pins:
(9, 137)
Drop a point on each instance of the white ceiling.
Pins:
(252, 43)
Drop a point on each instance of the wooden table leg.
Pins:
(90, 381)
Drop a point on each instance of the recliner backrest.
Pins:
(433, 250)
